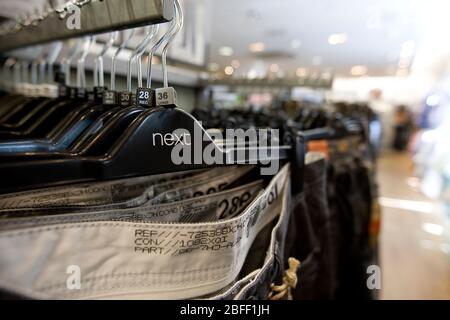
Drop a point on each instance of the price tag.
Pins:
(145, 97)
(166, 97)
(125, 99)
(110, 97)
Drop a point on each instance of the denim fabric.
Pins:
(350, 201)
(310, 240)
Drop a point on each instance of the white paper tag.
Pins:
(89, 194)
(121, 259)
(222, 205)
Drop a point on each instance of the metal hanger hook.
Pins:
(167, 36)
(136, 55)
(114, 57)
(99, 77)
(179, 25)
(81, 71)
(66, 61)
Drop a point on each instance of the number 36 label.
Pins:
(166, 97)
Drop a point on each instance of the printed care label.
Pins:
(118, 259)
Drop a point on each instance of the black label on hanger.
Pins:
(145, 97)
(125, 99)
(59, 77)
(63, 91)
(110, 97)
(72, 93)
(81, 93)
(91, 96)
(98, 93)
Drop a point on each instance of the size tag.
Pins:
(81, 93)
(125, 99)
(145, 97)
(110, 97)
(98, 93)
(59, 77)
(63, 91)
(72, 93)
(31, 90)
(166, 97)
(90, 96)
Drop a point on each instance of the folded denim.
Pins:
(89, 194)
(213, 179)
(223, 205)
(136, 260)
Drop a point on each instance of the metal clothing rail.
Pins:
(284, 83)
(97, 16)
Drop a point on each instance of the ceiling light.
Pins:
(301, 72)
(226, 51)
(229, 70)
(257, 47)
(337, 38)
(295, 44)
(317, 60)
(281, 74)
(213, 67)
(274, 68)
(235, 64)
(358, 70)
(252, 74)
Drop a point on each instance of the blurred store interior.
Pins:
(390, 56)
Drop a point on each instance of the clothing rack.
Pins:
(95, 17)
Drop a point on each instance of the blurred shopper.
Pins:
(403, 125)
(384, 111)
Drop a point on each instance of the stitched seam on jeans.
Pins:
(136, 275)
(128, 286)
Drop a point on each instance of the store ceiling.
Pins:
(295, 33)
